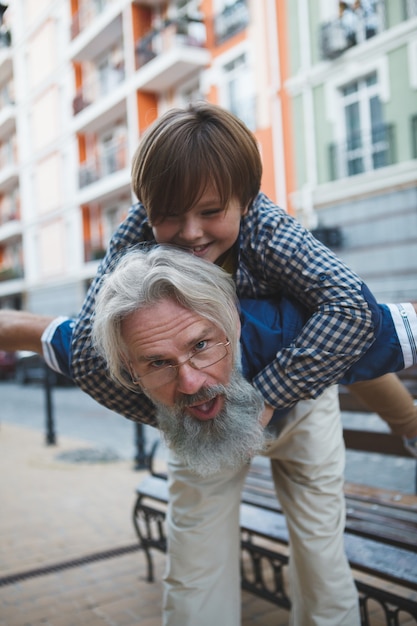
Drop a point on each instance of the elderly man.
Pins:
(167, 326)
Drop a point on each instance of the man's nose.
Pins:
(190, 380)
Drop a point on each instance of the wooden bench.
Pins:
(363, 440)
(380, 536)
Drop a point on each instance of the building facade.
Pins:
(353, 87)
(83, 79)
(334, 114)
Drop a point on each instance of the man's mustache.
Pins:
(203, 395)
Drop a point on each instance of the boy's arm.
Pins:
(21, 330)
(280, 256)
(268, 326)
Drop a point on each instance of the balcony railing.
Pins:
(112, 158)
(8, 154)
(181, 32)
(86, 15)
(233, 19)
(9, 216)
(6, 97)
(98, 86)
(363, 153)
(93, 252)
(11, 273)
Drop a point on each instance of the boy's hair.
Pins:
(187, 150)
(144, 277)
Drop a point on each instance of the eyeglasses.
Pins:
(199, 361)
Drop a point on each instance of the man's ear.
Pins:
(127, 365)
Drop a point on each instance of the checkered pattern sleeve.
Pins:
(88, 369)
(279, 256)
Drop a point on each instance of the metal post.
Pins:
(50, 427)
(141, 458)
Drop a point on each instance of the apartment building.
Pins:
(352, 81)
(328, 88)
(83, 79)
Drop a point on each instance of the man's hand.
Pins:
(20, 330)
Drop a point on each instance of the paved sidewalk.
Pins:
(55, 511)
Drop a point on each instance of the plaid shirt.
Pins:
(276, 256)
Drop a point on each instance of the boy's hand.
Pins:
(267, 415)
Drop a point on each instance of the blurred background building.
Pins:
(328, 88)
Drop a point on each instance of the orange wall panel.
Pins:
(147, 110)
(287, 132)
(264, 138)
(82, 150)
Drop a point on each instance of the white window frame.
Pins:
(222, 77)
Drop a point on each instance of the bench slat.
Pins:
(371, 441)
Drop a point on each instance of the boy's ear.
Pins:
(245, 209)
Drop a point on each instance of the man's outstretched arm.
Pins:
(20, 330)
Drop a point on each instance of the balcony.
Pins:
(9, 176)
(98, 86)
(149, 3)
(10, 230)
(11, 273)
(363, 153)
(88, 14)
(233, 19)
(167, 56)
(7, 119)
(93, 252)
(94, 29)
(352, 28)
(112, 158)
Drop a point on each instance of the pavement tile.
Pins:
(54, 511)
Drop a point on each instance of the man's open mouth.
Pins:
(206, 410)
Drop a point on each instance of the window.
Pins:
(231, 16)
(409, 9)
(368, 141)
(190, 93)
(113, 216)
(237, 92)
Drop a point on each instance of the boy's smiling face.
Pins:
(207, 230)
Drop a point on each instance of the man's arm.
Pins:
(21, 330)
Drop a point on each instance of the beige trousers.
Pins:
(202, 580)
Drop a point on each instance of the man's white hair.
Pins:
(145, 276)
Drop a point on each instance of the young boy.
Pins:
(197, 174)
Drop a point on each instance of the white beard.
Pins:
(229, 440)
